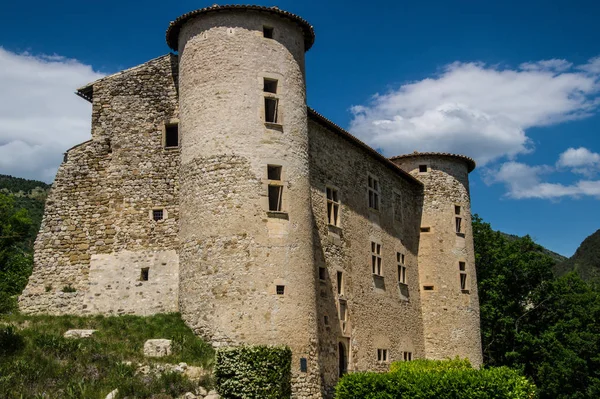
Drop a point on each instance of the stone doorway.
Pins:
(342, 359)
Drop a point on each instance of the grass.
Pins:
(37, 362)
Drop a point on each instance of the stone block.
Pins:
(157, 347)
(79, 333)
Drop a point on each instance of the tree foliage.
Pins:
(531, 320)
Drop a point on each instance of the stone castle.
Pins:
(210, 189)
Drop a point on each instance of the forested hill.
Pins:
(558, 258)
(586, 261)
(28, 194)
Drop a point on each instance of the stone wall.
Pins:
(379, 316)
(97, 227)
(450, 314)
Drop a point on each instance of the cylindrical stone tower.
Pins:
(446, 258)
(247, 272)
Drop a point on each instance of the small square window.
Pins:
(407, 356)
(158, 214)
(271, 109)
(425, 229)
(171, 135)
(462, 266)
(422, 168)
(270, 86)
(280, 289)
(382, 355)
(144, 274)
(274, 172)
(322, 273)
(457, 209)
(268, 32)
(428, 288)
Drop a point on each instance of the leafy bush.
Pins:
(254, 372)
(10, 341)
(430, 379)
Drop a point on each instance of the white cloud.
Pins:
(40, 116)
(523, 181)
(478, 110)
(580, 160)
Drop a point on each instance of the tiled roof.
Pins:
(470, 162)
(317, 117)
(175, 26)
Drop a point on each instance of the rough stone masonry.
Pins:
(210, 189)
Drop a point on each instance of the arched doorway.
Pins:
(342, 359)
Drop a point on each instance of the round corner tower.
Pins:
(247, 271)
(448, 282)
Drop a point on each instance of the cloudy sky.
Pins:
(515, 85)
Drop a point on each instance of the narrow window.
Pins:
(157, 214)
(425, 229)
(343, 311)
(268, 32)
(401, 268)
(382, 355)
(407, 356)
(280, 289)
(270, 86)
(271, 109)
(322, 274)
(144, 274)
(326, 320)
(373, 193)
(463, 275)
(340, 283)
(171, 135)
(458, 222)
(428, 287)
(303, 365)
(457, 209)
(275, 188)
(398, 207)
(422, 168)
(333, 207)
(376, 258)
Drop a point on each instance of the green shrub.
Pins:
(248, 372)
(11, 341)
(429, 379)
(8, 303)
(69, 288)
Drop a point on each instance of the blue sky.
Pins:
(513, 84)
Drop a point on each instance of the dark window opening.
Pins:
(322, 273)
(376, 258)
(428, 287)
(458, 225)
(457, 209)
(463, 281)
(373, 193)
(270, 85)
(382, 355)
(425, 229)
(333, 206)
(342, 360)
(144, 274)
(407, 356)
(280, 289)
(157, 214)
(422, 168)
(274, 172)
(268, 32)
(271, 110)
(172, 135)
(326, 320)
(303, 365)
(340, 283)
(343, 310)
(462, 266)
(275, 198)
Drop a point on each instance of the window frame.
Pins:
(376, 259)
(333, 206)
(374, 193)
(401, 268)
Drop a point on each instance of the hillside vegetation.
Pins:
(586, 260)
(36, 361)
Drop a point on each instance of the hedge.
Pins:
(249, 372)
(430, 379)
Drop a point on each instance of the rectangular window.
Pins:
(462, 267)
(333, 207)
(271, 109)
(407, 356)
(376, 258)
(340, 283)
(398, 207)
(322, 274)
(280, 289)
(343, 311)
(268, 32)
(270, 86)
(423, 168)
(275, 188)
(382, 355)
(157, 214)
(401, 268)
(428, 288)
(171, 135)
(457, 209)
(425, 229)
(373, 193)
(145, 273)
(458, 226)
(326, 320)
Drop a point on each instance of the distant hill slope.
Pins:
(586, 261)
(558, 258)
(28, 194)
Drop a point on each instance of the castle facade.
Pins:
(210, 189)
